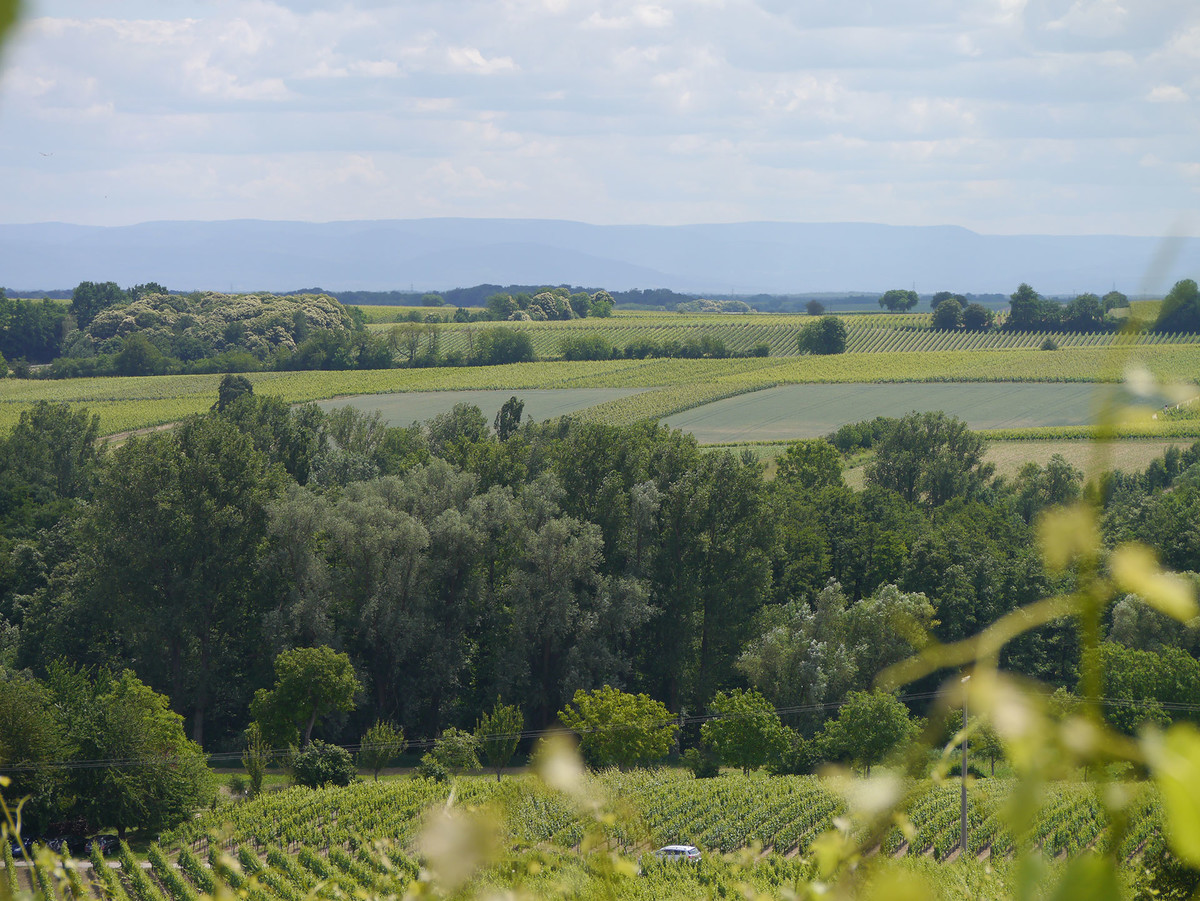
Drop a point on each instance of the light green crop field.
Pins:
(418, 406)
(809, 411)
(132, 403)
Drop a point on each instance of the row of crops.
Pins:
(367, 840)
(877, 340)
(141, 402)
(741, 335)
(784, 814)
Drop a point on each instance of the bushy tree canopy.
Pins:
(930, 457)
(869, 726)
(309, 683)
(897, 300)
(1180, 311)
(619, 729)
(745, 730)
(825, 336)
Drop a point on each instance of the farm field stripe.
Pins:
(139, 402)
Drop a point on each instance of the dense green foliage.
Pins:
(322, 764)
(499, 733)
(745, 730)
(452, 567)
(899, 300)
(30, 330)
(53, 728)
(309, 683)
(825, 336)
(619, 729)
(381, 744)
(1180, 311)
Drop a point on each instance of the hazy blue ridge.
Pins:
(748, 257)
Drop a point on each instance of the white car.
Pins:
(689, 853)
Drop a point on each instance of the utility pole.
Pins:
(962, 841)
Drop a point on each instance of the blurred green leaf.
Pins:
(1136, 570)
(8, 16)
(1175, 758)
(1089, 878)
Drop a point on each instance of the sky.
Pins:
(1002, 116)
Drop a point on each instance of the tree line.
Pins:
(1030, 311)
(147, 330)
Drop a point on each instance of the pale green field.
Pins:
(540, 403)
(809, 411)
(131, 403)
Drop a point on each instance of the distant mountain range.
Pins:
(430, 254)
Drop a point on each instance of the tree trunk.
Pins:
(308, 729)
(198, 724)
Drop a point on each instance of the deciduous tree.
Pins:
(309, 683)
(381, 744)
(169, 549)
(897, 300)
(745, 730)
(978, 318)
(498, 733)
(159, 777)
(1180, 310)
(930, 457)
(868, 727)
(948, 315)
(825, 336)
(619, 729)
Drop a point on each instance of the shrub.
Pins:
(1049, 344)
(431, 768)
(703, 763)
(825, 336)
(496, 346)
(456, 749)
(587, 347)
(323, 764)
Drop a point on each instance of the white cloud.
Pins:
(1167, 93)
(641, 15)
(470, 59)
(612, 110)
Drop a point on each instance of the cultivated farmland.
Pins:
(870, 333)
(418, 406)
(141, 402)
(367, 839)
(809, 411)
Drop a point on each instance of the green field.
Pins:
(741, 333)
(132, 403)
(809, 411)
(522, 838)
(784, 814)
(540, 403)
